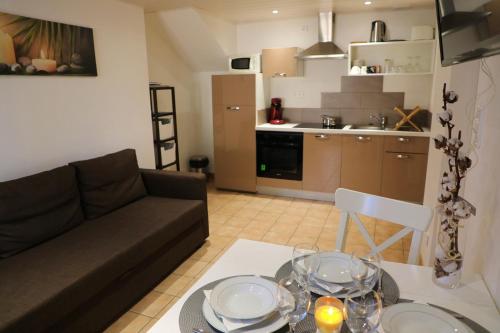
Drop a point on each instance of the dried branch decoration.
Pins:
(453, 208)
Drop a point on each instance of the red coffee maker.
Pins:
(276, 112)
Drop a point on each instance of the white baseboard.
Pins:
(284, 192)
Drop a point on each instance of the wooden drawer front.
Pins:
(403, 176)
(322, 156)
(280, 62)
(406, 144)
(361, 166)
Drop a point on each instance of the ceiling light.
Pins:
(275, 11)
(367, 3)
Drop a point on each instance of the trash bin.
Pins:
(198, 163)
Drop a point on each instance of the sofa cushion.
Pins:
(109, 182)
(36, 208)
(47, 282)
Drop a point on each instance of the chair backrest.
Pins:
(415, 218)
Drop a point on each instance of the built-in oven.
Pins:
(279, 155)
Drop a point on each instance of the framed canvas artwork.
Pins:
(30, 46)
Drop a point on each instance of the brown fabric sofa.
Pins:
(82, 243)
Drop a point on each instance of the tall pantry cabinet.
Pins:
(236, 99)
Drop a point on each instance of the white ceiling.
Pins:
(257, 10)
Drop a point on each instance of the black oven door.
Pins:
(279, 155)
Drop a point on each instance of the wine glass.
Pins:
(362, 312)
(305, 262)
(365, 270)
(293, 301)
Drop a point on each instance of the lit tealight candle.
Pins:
(43, 64)
(328, 314)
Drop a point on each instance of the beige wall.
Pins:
(49, 121)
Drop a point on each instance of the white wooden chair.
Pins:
(414, 217)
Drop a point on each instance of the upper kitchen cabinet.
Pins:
(394, 58)
(236, 99)
(361, 168)
(321, 166)
(281, 62)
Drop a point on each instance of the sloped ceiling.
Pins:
(237, 11)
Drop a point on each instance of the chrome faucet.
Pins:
(382, 120)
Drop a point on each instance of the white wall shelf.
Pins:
(420, 54)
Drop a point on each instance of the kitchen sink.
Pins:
(366, 127)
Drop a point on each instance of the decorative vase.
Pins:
(453, 209)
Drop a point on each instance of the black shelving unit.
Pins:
(160, 118)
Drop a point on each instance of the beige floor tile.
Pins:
(283, 228)
(325, 245)
(173, 284)
(149, 325)
(296, 211)
(309, 231)
(321, 212)
(256, 236)
(238, 221)
(256, 205)
(301, 203)
(190, 268)
(274, 209)
(228, 231)
(291, 219)
(247, 212)
(398, 246)
(313, 221)
(130, 322)
(299, 238)
(328, 234)
(276, 238)
(218, 218)
(151, 304)
(395, 256)
(206, 253)
(218, 241)
(166, 308)
(260, 224)
(282, 201)
(265, 216)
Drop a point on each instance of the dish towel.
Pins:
(232, 324)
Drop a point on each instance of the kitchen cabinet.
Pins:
(361, 167)
(234, 114)
(404, 168)
(281, 62)
(321, 162)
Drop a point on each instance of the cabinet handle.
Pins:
(402, 157)
(401, 139)
(233, 108)
(363, 138)
(322, 136)
(279, 74)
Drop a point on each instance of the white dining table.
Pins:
(246, 257)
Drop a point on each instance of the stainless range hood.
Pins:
(325, 48)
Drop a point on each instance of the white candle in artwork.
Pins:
(7, 52)
(43, 64)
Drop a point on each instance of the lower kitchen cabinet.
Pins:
(361, 168)
(403, 176)
(321, 162)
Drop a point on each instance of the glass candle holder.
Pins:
(328, 314)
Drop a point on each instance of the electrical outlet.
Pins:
(305, 27)
(299, 94)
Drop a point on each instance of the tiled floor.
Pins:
(271, 219)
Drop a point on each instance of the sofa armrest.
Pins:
(180, 185)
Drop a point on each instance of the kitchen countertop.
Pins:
(290, 127)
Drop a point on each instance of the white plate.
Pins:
(244, 297)
(216, 322)
(334, 267)
(418, 318)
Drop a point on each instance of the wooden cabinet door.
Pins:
(321, 164)
(234, 148)
(403, 176)
(280, 62)
(361, 168)
(406, 144)
(233, 90)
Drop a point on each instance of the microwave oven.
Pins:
(245, 64)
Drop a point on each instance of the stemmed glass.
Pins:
(365, 269)
(362, 313)
(294, 301)
(305, 262)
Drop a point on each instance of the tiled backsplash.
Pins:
(359, 98)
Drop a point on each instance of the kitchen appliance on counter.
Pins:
(328, 121)
(378, 32)
(276, 112)
(279, 155)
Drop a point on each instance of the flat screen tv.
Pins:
(468, 29)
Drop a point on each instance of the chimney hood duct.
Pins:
(325, 48)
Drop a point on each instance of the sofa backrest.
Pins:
(109, 182)
(36, 208)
